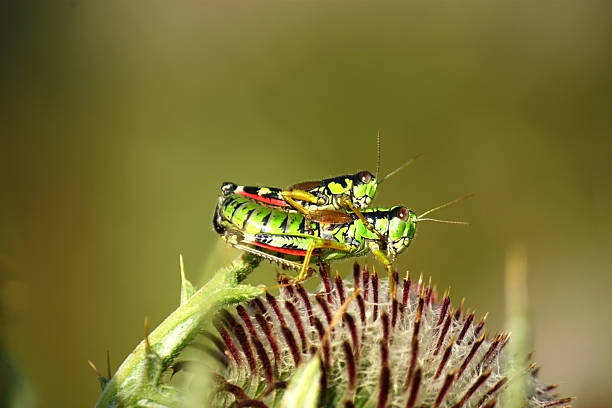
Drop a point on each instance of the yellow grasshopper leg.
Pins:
(318, 243)
(382, 257)
(291, 196)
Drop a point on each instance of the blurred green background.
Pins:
(120, 120)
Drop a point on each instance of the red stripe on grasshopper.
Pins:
(271, 201)
(288, 251)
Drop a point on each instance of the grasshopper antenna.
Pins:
(455, 201)
(377, 153)
(443, 221)
(400, 168)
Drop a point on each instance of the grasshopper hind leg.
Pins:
(267, 256)
(292, 196)
(318, 243)
(236, 239)
(303, 246)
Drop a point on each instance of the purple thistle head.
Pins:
(415, 351)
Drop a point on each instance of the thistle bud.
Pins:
(412, 351)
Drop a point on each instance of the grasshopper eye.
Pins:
(402, 213)
(365, 176)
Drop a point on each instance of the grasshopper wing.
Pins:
(331, 217)
(306, 185)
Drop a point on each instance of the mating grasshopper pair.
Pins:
(327, 219)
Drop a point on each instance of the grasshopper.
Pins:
(350, 192)
(292, 240)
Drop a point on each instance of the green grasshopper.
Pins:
(291, 239)
(353, 192)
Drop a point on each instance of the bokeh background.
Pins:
(121, 119)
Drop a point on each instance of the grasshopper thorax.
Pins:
(401, 229)
(364, 188)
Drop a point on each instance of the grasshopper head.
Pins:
(364, 188)
(402, 226)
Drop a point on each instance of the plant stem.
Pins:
(137, 377)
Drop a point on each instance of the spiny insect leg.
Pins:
(291, 196)
(269, 257)
(318, 243)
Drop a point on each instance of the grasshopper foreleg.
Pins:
(346, 202)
